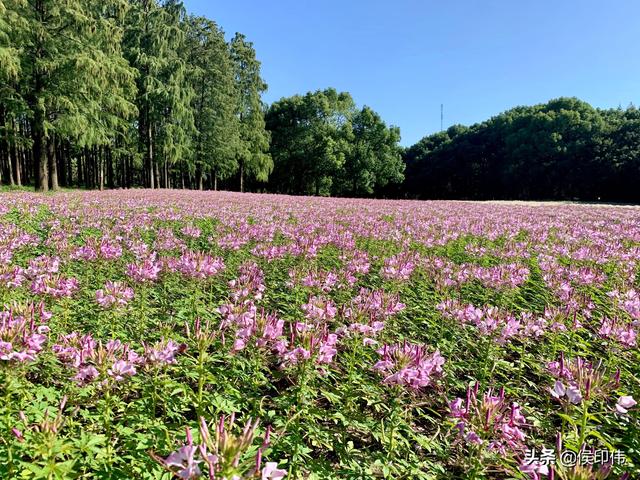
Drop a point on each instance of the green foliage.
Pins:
(215, 101)
(322, 145)
(563, 149)
(252, 152)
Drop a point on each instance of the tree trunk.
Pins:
(79, 165)
(199, 177)
(16, 158)
(109, 166)
(4, 145)
(150, 156)
(10, 164)
(69, 167)
(40, 169)
(241, 177)
(53, 164)
(101, 160)
(7, 149)
(62, 164)
(156, 169)
(215, 181)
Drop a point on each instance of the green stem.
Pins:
(201, 358)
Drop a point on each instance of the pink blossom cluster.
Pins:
(308, 343)
(55, 286)
(373, 305)
(489, 420)
(93, 361)
(399, 267)
(191, 231)
(114, 294)
(249, 283)
(109, 249)
(162, 353)
(368, 332)
(449, 274)
(222, 454)
(409, 365)
(578, 379)
(146, 271)
(11, 277)
(488, 320)
(166, 240)
(23, 333)
(264, 328)
(195, 265)
(319, 309)
(324, 281)
(620, 330)
(42, 266)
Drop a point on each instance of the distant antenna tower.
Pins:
(441, 116)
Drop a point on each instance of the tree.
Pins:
(52, 36)
(546, 151)
(154, 45)
(373, 160)
(71, 75)
(10, 31)
(310, 140)
(9, 54)
(252, 152)
(214, 102)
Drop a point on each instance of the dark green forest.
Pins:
(564, 149)
(138, 93)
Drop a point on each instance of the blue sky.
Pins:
(404, 58)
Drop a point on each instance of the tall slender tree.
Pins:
(153, 45)
(214, 102)
(254, 160)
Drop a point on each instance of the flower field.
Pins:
(161, 334)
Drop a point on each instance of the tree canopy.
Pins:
(124, 93)
(562, 149)
(322, 144)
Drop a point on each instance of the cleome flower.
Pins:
(23, 333)
(409, 365)
(489, 420)
(95, 361)
(578, 379)
(114, 294)
(222, 454)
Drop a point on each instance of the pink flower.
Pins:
(162, 353)
(114, 293)
(574, 395)
(472, 437)
(86, 374)
(625, 402)
(409, 364)
(121, 369)
(18, 434)
(534, 470)
(147, 271)
(558, 390)
(272, 472)
(184, 459)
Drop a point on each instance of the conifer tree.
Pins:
(253, 159)
(214, 102)
(153, 45)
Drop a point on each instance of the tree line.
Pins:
(122, 93)
(560, 150)
(125, 93)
